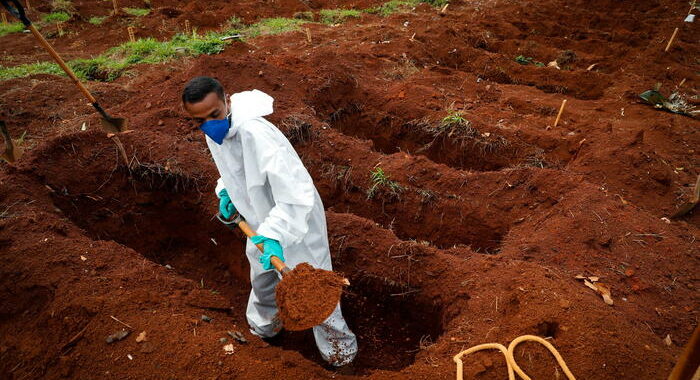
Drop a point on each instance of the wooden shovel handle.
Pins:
(274, 260)
(61, 63)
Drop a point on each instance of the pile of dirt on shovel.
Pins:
(307, 296)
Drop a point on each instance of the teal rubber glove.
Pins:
(271, 247)
(226, 207)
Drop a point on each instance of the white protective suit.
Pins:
(273, 191)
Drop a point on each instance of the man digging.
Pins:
(264, 180)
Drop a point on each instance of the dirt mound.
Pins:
(306, 296)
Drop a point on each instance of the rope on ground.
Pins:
(510, 357)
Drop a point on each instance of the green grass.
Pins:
(97, 20)
(393, 6)
(382, 182)
(8, 28)
(269, 26)
(453, 117)
(336, 16)
(55, 17)
(138, 12)
(29, 69)
(523, 60)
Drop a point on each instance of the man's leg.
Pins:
(335, 341)
(262, 307)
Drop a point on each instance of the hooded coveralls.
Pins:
(273, 191)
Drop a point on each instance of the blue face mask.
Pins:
(216, 129)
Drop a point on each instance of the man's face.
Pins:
(210, 108)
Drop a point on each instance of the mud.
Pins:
(307, 296)
(479, 239)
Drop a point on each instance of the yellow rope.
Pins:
(510, 358)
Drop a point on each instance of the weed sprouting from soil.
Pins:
(55, 17)
(138, 12)
(97, 20)
(337, 16)
(426, 196)
(11, 27)
(523, 60)
(381, 183)
(340, 174)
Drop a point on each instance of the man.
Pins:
(263, 178)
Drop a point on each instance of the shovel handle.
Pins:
(249, 232)
(61, 63)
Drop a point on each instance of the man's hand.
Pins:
(271, 247)
(226, 207)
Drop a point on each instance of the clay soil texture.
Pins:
(458, 212)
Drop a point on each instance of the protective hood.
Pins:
(248, 105)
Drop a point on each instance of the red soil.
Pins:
(482, 244)
(307, 296)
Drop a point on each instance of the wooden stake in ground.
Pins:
(444, 9)
(561, 109)
(116, 6)
(670, 41)
(4, 18)
(59, 26)
(29, 8)
(308, 35)
(187, 28)
(132, 36)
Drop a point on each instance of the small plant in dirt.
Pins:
(99, 69)
(426, 196)
(337, 16)
(381, 183)
(454, 118)
(8, 28)
(393, 6)
(97, 20)
(138, 12)
(55, 17)
(523, 60)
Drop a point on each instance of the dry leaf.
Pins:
(668, 340)
(604, 291)
(580, 277)
(228, 349)
(594, 278)
(141, 337)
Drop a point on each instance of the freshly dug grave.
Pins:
(306, 296)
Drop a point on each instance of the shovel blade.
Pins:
(115, 124)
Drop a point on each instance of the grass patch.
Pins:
(270, 26)
(29, 69)
(97, 20)
(138, 12)
(116, 61)
(13, 27)
(55, 17)
(337, 16)
(393, 6)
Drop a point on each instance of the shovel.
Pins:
(306, 296)
(11, 152)
(109, 123)
(687, 206)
